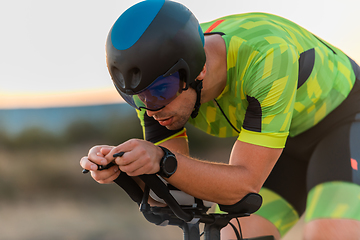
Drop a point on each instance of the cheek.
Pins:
(183, 105)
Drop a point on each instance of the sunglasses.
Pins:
(157, 95)
(160, 92)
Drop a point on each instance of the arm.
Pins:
(246, 172)
(249, 167)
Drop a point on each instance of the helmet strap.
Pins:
(197, 85)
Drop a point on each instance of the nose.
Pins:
(151, 113)
(147, 98)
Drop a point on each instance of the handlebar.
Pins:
(249, 204)
(160, 189)
(185, 217)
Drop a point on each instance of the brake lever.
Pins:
(101, 167)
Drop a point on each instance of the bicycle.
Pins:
(188, 218)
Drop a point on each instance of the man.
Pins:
(292, 98)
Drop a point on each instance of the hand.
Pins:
(141, 157)
(96, 156)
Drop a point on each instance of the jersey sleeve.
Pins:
(154, 132)
(269, 86)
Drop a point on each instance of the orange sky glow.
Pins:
(59, 99)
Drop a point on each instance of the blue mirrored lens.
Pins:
(160, 93)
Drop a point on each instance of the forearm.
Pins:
(248, 168)
(216, 182)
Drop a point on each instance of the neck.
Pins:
(216, 68)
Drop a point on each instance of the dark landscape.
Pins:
(44, 195)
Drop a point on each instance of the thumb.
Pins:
(105, 150)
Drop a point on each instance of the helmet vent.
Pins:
(118, 77)
(135, 77)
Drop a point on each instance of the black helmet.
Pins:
(152, 39)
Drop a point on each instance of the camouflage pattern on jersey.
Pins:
(262, 99)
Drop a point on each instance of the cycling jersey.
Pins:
(286, 84)
(281, 80)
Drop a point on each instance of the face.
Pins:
(175, 115)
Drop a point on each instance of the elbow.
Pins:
(238, 195)
(250, 203)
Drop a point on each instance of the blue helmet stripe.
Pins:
(132, 24)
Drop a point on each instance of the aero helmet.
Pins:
(152, 49)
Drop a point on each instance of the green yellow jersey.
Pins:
(281, 80)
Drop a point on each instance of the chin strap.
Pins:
(197, 85)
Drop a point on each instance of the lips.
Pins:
(165, 121)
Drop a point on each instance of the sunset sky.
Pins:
(52, 53)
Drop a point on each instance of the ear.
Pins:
(202, 74)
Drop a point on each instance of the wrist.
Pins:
(168, 163)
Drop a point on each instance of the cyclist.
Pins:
(292, 99)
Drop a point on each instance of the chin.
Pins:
(176, 125)
(172, 127)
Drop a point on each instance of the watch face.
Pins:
(170, 165)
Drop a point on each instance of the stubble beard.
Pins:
(180, 118)
(179, 122)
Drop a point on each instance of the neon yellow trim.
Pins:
(142, 123)
(271, 140)
(173, 136)
(333, 200)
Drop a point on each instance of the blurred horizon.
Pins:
(55, 119)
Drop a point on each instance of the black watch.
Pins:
(168, 163)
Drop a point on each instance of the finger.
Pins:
(126, 147)
(110, 179)
(125, 158)
(95, 155)
(116, 152)
(133, 171)
(130, 155)
(106, 150)
(139, 167)
(85, 163)
(106, 176)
